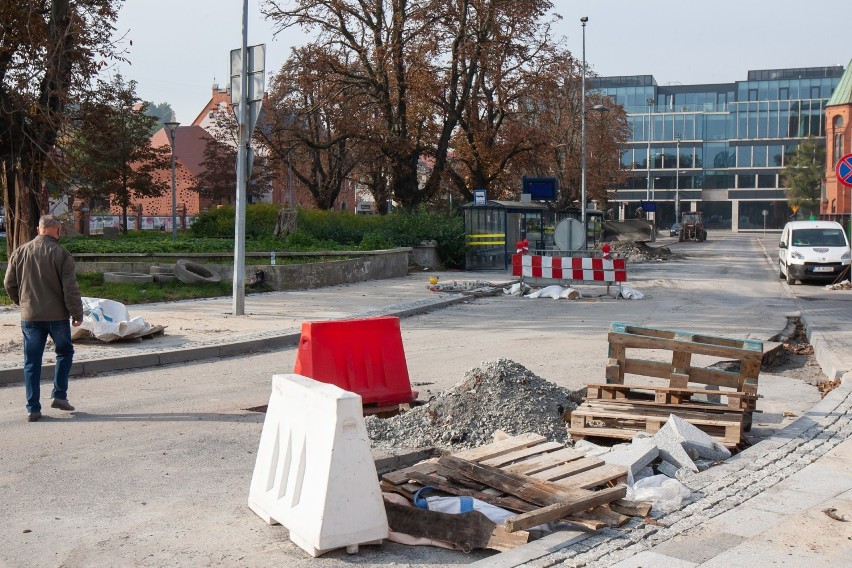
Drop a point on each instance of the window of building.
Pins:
(759, 156)
(766, 180)
(784, 93)
(815, 92)
(752, 94)
(744, 157)
(746, 181)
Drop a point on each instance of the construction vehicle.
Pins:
(692, 227)
(638, 230)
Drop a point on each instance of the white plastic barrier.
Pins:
(314, 473)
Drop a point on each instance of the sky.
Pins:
(180, 48)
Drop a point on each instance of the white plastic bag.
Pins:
(664, 493)
(109, 320)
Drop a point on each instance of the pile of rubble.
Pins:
(633, 251)
(499, 395)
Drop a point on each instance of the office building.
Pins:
(718, 148)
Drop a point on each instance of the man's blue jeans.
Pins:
(35, 338)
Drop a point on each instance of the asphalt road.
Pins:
(154, 468)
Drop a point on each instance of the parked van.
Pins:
(812, 250)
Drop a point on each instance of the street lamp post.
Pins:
(677, 177)
(171, 127)
(650, 137)
(583, 21)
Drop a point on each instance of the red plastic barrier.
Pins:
(364, 356)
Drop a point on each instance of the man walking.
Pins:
(40, 278)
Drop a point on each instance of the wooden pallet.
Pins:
(666, 395)
(541, 481)
(618, 410)
(623, 418)
(683, 345)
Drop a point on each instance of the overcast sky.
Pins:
(180, 47)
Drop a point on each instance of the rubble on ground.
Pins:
(499, 395)
(845, 285)
(633, 251)
(461, 286)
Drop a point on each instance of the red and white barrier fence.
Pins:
(576, 269)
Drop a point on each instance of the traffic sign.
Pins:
(844, 170)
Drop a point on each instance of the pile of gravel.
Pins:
(499, 395)
(633, 251)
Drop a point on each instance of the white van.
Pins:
(812, 250)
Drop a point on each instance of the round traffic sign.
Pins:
(843, 170)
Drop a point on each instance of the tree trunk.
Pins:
(22, 208)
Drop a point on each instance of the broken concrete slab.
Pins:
(634, 457)
(696, 440)
(670, 444)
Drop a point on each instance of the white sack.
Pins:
(556, 292)
(109, 320)
(629, 293)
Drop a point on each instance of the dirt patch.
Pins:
(796, 358)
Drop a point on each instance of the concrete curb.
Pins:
(172, 356)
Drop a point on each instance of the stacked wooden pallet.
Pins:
(617, 410)
(541, 481)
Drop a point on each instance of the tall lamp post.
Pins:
(677, 177)
(583, 21)
(171, 127)
(651, 103)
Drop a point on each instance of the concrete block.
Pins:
(670, 445)
(668, 469)
(696, 440)
(314, 473)
(634, 457)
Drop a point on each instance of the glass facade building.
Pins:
(717, 148)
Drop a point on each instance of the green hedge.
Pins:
(213, 231)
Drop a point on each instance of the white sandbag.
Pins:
(553, 291)
(516, 289)
(629, 293)
(109, 320)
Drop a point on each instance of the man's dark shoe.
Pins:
(61, 404)
(33, 416)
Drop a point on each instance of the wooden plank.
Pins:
(467, 531)
(442, 484)
(711, 415)
(649, 338)
(702, 375)
(656, 388)
(557, 511)
(538, 463)
(500, 448)
(503, 540)
(592, 478)
(568, 469)
(402, 475)
(518, 455)
(581, 432)
(615, 365)
(605, 514)
(631, 508)
(532, 490)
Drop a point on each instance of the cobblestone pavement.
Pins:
(722, 488)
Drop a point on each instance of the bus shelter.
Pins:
(493, 229)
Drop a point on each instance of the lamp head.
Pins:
(584, 19)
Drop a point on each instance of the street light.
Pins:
(651, 103)
(171, 127)
(583, 21)
(677, 177)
